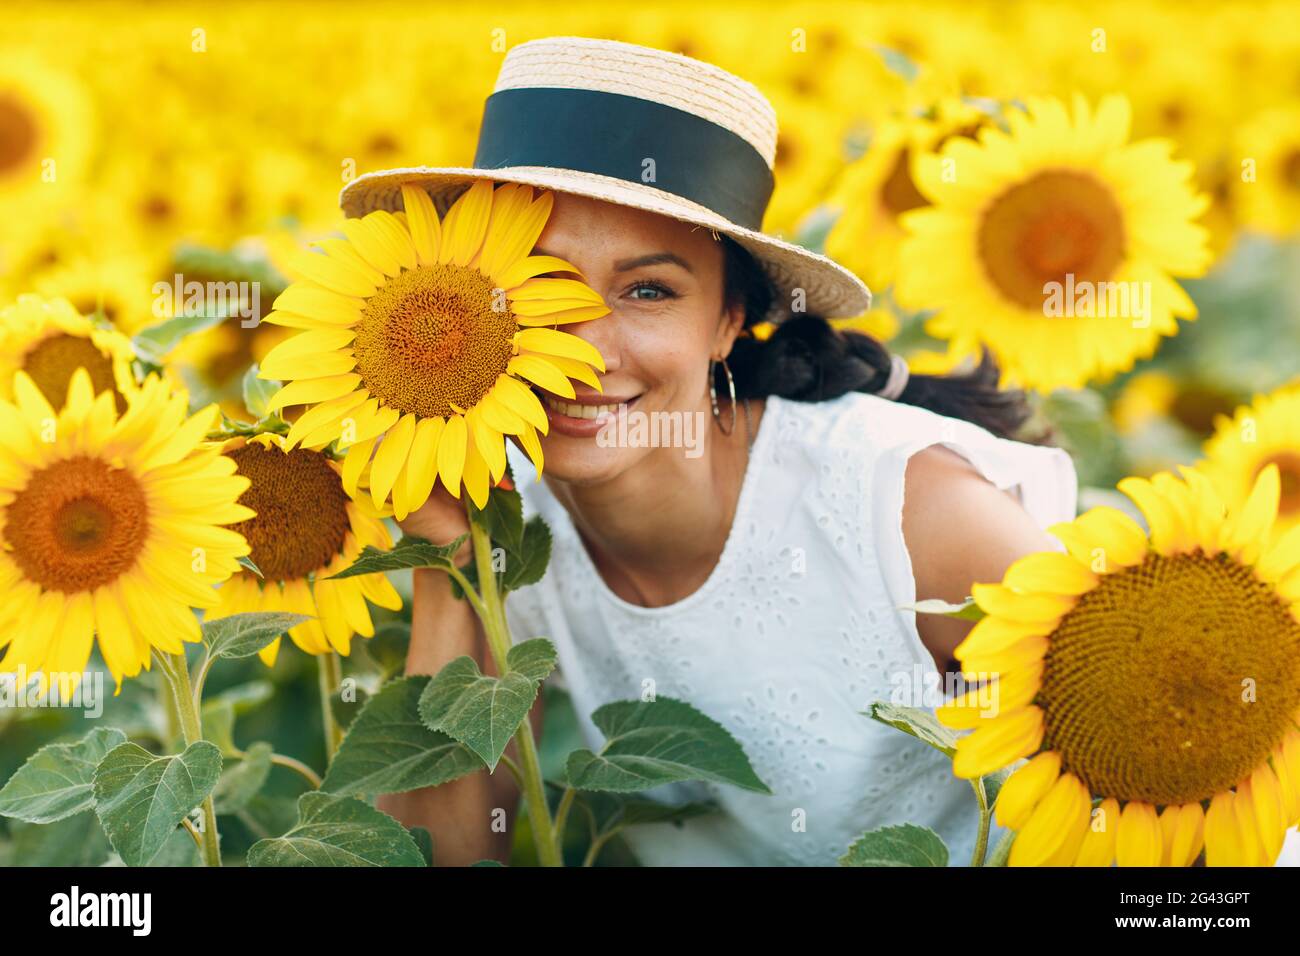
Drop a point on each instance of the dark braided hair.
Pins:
(807, 359)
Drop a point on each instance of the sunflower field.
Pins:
(198, 498)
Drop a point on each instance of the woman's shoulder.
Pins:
(879, 438)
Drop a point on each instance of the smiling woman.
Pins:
(765, 574)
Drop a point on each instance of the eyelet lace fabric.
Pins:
(794, 635)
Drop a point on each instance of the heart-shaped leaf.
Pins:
(243, 635)
(503, 517)
(58, 780)
(906, 845)
(388, 749)
(409, 552)
(243, 780)
(921, 724)
(649, 743)
(338, 831)
(484, 712)
(141, 798)
(527, 565)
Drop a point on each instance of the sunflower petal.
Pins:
(1000, 742)
(555, 342)
(541, 372)
(451, 454)
(390, 458)
(422, 221)
(465, 224)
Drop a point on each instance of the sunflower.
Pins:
(1270, 199)
(1266, 432)
(1189, 401)
(45, 122)
(425, 334)
(1160, 674)
(117, 288)
(1054, 245)
(49, 340)
(110, 525)
(305, 530)
(876, 189)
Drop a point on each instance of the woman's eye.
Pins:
(650, 291)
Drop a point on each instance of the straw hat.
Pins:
(639, 127)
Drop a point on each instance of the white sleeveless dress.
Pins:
(796, 632)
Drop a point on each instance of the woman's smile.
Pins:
(584, 415)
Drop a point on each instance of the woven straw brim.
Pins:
(829, 289)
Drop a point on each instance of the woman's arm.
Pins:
(960, 529)
(459, 815)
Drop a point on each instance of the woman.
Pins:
(761, 568)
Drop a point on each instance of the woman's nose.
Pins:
(602, 334)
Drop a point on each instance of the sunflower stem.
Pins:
(497, 631)
(170, 717)
(1002, 851)
(298, 767)
(178, 676)
(330, 672)
(986, 813)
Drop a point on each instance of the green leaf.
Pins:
(258, 392)
(269, 815)
(409, 552)
(534, 658)
(218, 720)
(484, 712)
(487, 863)
(385, 653)
(178, 850)
(388, 749)
(921, 724)
(899, 63)
(906, 845)
(503, 518)
(57, 781)
(657, 742)
(345, 711)
(529, 564)
(154, 342)
(247, 564)
(968, 610)
(241, 782)
(77, 840)
(333, 830)
(141, 798)
(243, 635)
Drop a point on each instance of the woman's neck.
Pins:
(655, 532)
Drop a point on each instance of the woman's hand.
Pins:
(441, 519)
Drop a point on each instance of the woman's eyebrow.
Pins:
(623, 265)
(654, 259)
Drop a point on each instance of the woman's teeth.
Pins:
(573, 410)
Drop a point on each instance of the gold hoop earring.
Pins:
(713, 395)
